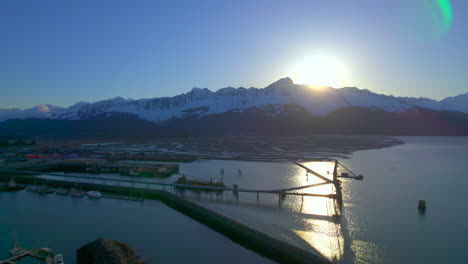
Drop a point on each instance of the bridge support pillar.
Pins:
(235, 192)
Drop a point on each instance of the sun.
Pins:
(320, 70)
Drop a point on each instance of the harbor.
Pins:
(178, 197)
(245, 236)
(310, 224)
(88, 183)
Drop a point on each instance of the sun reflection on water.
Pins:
(320, 228)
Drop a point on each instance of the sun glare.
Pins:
(320, 70)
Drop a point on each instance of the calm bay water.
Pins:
(380, 222)
(381, 211)
(157, 233)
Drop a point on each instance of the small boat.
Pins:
(32, 188)
(94, 194)
(199, 183)
(422, 207)
(13, 186)
(77, 193)
(134, 173)
(45, 190)
(62, 191)
(346, 175)
(58, 259)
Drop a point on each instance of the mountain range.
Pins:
(259, 110)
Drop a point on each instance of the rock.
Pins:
(106, 251)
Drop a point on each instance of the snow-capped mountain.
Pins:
(71, 113)
(456, 103)
(40, 111)
(201, 102)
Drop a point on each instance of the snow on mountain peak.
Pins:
(199, 92)
(42, 108)
(201, 101)
(282, 83)
(456, 103)
(39, 111)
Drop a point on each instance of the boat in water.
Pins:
(45, 190)
(94, 194)
(199, 183)
(134, 173)
(59, 259)
(13, 186)
(32, 188)
(62, 191)
(76, 193)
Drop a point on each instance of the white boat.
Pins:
(94, 194)
(32, 188)
(13, 186)
(62, 191)
(58, 259)
(134, 173)
(45, 190)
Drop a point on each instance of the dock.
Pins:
(140, 187)
(19, 253)
(120, 197)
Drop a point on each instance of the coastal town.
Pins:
(29, 155)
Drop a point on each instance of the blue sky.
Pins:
(60, 52)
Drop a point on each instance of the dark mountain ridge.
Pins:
(289, 119)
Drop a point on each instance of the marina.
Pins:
(181, 184)
(310, 223)
(122, 189)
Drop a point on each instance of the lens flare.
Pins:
(446, 9)
(432, 19)
(441, 14)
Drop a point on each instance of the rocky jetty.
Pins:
(106, 251)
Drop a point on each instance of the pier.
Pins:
(144, 185)
(19, 253)
(112, 185)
